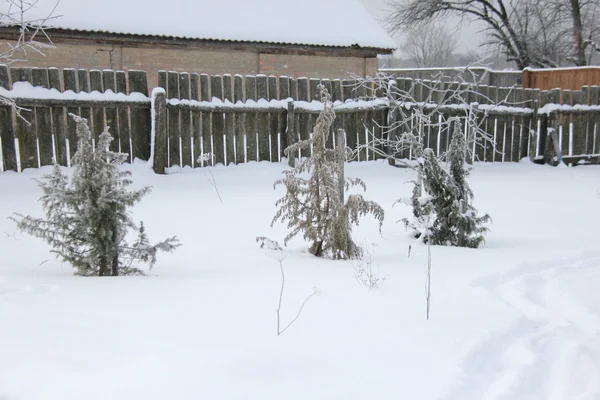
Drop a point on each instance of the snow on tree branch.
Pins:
(86, 220)
(32, 35)
(424, 105)
(314, 206)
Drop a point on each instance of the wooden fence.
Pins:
(239, 119)
(482, 75)
(566, 78)
(42, 132)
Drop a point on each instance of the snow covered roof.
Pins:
(342, 23)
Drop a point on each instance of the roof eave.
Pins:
(122, 38)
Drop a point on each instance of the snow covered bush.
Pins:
(443, 213)
(314, 205)
(88, 218)
(464, 228)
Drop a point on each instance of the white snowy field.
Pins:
(516, 319)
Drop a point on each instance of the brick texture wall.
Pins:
(209, 61)
(311, 66)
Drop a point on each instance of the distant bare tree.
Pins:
(500, 17)
(543, 30)
(430, 45)
(470, 57)
(581, 18)
(538, 33)
(385, 60)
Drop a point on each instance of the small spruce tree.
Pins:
(314, 205)
(443, 196)
(469, 230)
(422, 202)
(87, 219)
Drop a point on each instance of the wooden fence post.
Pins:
(159, 106)
(8, 155)
(552, 151)
(341, 155)
(140, 118)
(291, 133)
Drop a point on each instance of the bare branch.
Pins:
(17, 15)
(537, 33)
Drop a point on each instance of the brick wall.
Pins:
(182, 59)
(298, 66)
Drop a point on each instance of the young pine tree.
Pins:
(429, 191)
(87, 220)
(314, 205)
(443, 198)
(469, 229)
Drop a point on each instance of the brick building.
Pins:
(312, 38)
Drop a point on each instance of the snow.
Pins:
(516, 319)
(155, 92)
(551, 108)
(464, 68)
(24, 90)
(561, 68)
(272, 21)
(278, 105)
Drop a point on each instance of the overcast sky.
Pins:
(469, 38)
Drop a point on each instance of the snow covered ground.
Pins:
(516, 319)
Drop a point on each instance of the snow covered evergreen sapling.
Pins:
(314, 206)
(443, 213)
(424, 213)
(468, 230)
(87, 220)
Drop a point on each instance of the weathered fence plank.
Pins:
(83, 85)
(240, 121)
(161, 148)
(8, 156)
(111, 120)
(264, 133)
(98, 123)
(284, 94)
(251, 121)
(206, 119)
(302, 120)
(273, 121)
(230, 140)
(25, 128)
(173, 121)
(595, 100)
(43, 121)
(70, 83)
(123, 116)
(185, 92)
(196, 120)
(218, 121)
(140, 118)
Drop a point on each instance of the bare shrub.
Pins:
(365, 272)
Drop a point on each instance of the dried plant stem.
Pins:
(213, 182)
(428, 280)
(278, 310)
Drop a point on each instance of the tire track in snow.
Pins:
(552, 349)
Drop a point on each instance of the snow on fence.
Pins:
(239, 119)
(253, 118)
(42, 132)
